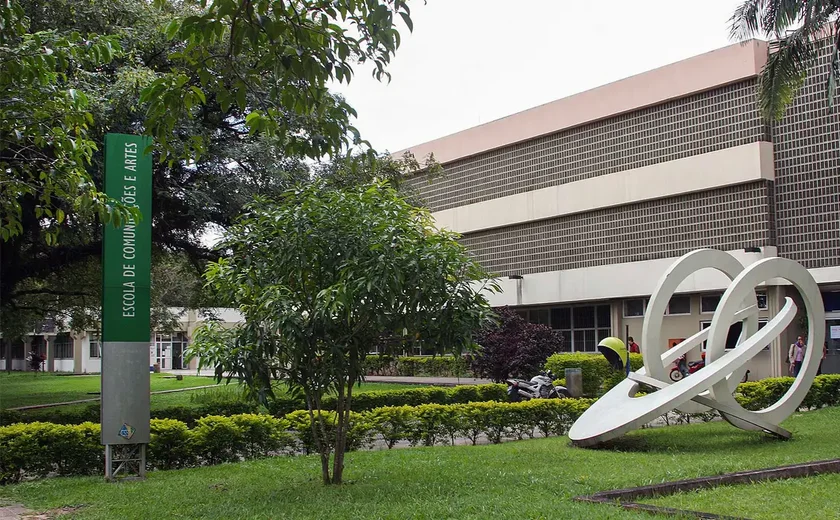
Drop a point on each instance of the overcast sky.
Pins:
(472, 61)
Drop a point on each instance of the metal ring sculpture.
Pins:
(619, 411)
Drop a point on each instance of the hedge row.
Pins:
(598, 375)
(755, 395)
(362, 401)
(39, 449)
(42, 449)
(90, 413)
(438, 366)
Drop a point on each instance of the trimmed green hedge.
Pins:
(362, 401)
(39, 449)
(439, 366)
(598, 375)
(755, 395)
(90, 413)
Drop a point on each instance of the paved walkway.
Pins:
(439, 381)
(403, 380)
(12, 512)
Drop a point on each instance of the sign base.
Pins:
(125, 462)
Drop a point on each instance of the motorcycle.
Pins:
(539, 387)
(683, 368)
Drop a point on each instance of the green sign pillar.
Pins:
(126, 266)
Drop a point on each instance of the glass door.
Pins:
(831, 363)
(163, 351)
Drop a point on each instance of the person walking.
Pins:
(796, 355)
(634, 347)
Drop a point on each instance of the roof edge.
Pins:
(699, 73)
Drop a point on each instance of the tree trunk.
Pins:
(340, 435)
(319, 437)
(344, 420)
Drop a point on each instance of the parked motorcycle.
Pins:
(682, 368)
(539, 387)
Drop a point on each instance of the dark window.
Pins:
(17, 350)
(561, 318)
(540, 316)
(584, 317)
(679, 305)
(63, 346)
(604, 316)
(95, 346)
(708, 304)
(762, 300)
(634, 308)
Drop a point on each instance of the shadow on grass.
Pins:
(670, 440)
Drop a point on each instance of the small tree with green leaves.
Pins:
(321, 275)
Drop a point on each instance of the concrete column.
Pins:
(49, 344)
(617, 328)
(78, 341)
(7, 354)
(775, 300)
(27, 347)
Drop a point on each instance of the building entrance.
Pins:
(831, 363)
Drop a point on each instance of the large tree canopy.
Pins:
(233, 92)
(321, 275)
(795, 28)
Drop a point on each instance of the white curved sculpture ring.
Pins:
(619, 411)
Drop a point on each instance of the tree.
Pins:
(72, 297)
(795, 29)
(513, 347)
(234, 95)
(320, 276)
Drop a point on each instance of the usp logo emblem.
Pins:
(127, 431)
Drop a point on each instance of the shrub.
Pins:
(432, 422)
(38, 449)
(598, 375)
(300, 424)
(262, 435)
(8, 417)
(393, 423)
(755, 395)
(171, 445)
(218, 439)
(514, 347)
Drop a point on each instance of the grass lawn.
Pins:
(516, 480)
(190, 398)
(26, 388)
(812, 497)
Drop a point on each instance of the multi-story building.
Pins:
(580, 205)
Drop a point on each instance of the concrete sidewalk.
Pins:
(438, 381)
(403, 380)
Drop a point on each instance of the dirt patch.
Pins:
(50, 514)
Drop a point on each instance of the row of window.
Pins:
(63, 345)
(582, 327)
(681, 305)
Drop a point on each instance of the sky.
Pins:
(472, 61)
